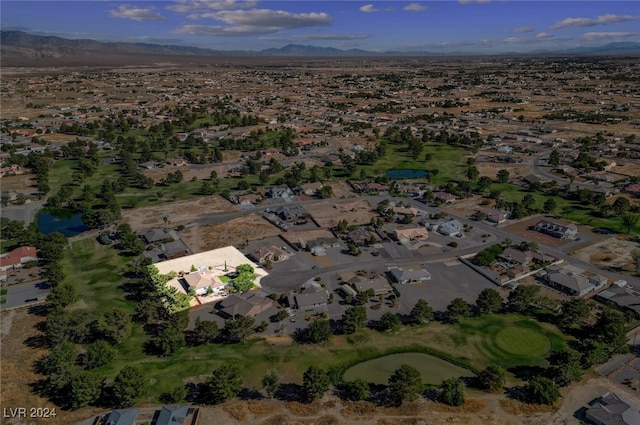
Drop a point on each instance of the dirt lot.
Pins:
(465, 207)
(356, 212)
(178, 212)
(516, 171)
(609, 254)
(234, 232)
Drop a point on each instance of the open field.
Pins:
(610, 253)
(355, 212)
(233, 232)
(177, 212)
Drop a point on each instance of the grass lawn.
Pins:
(8, 245)
(97, 272)
(449, 160)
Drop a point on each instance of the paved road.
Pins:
(17, 295)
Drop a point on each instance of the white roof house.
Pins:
(450, 228)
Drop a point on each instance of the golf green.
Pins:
(522, 341)
(432, 369)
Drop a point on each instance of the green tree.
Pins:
(630, 220)
(356, 390)
(574, 310)
(98, 354)
(542, 390)
(502, 176)
(325, 192)
(223, 384)
(549, 205)
(128, 386)
(84, 389)
(472, 173)
(492, 378)
(405, 383)
(457, 309)
(565, 367)
(452, 392)
(62, 295)
(389, 322)
(315, 383)
(528, 201)
(239, 328)
(116, 325)
(554, 158)
(523, 297)
(244, 268)
(318, 332)
(421, 312)
(270, 383)
(354, 318)
(170, 341)
(489, 301)
(609, 327)
(621, 205)
(204, 332)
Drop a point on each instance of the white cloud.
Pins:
(184, 6)
(522, 30)
(600, 35)
(269, 18)
(544, 36)
(255, 22)
(590, 22)
(139, 14)
(368, 8)
(415, 7)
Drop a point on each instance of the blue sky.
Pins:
(480, 26)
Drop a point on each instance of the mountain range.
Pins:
(18, 48)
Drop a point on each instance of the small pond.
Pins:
(433, 369)
(406, 173)
(67, 222)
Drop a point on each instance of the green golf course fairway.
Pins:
(432, 369)
(522, 341)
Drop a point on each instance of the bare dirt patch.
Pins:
(609, 254)
(178, 212)
(233, 232)
(327, 215)
(516, 171)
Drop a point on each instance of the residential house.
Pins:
(633, 189)
(290, 213)
(203, 281)
(445, 197)
(450, 228)
(176, 162)
(556, 230)
(530, 179)
(312, 297)
(360, 236)
(495, 215)
(174, 249)
(624, 295)
(248, 304)
(280, 192)
(250, 198)
(406, 211)
(610, 409)
(13, 169)
(408, 276)
(121, 417)
(157, 234)
(310, 189)
(572, 280)
(172, 415)
(378, 284)
(17, 257)
(412, 234)
(269, 253)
